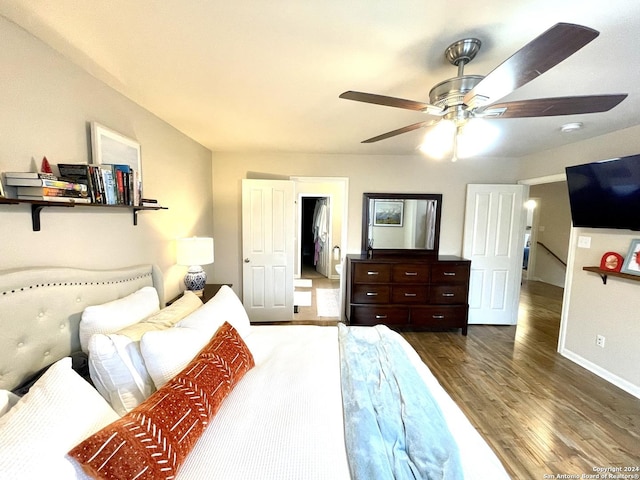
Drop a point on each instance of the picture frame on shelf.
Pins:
(388, 213)
(111, 147)
(631, 263)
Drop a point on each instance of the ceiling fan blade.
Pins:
(391, 102)
(550, 107)
(541, 54)
(399, 131)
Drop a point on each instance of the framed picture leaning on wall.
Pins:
(113, 148)
(631, 263)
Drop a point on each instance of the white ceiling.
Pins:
(264, 76)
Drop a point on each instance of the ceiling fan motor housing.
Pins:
(451, 92)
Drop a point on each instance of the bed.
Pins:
(285, 409)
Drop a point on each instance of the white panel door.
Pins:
(268, 249)
(494, 242)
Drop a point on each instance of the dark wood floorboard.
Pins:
(541, 413)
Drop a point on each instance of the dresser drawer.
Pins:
(443, 273)
(371, 272)
(410, 273)
(409, 294)
(442, 317)
(448, 294)
(379, 315)
(370, 293)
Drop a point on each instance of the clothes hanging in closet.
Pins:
(320, 229)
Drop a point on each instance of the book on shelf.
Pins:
(51, 192)
(149, 202)
(107, 184)
(43, 182)
(45, 198)
(33, 175)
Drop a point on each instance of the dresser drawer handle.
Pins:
(448, 294)
(449, 274)
(410, 294)
(438, 317)
(380, 317)
(372, 294)
(372, 273)
(411, 274)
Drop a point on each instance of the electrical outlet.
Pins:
(600, 341)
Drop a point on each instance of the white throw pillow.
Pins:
(167, 352)
(118, 371)
(117, 314)
(7, 400)
(60, 410)
(165, 318)
(225, 306)
(116, 366)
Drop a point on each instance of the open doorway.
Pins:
(549, 236)
(322, 205)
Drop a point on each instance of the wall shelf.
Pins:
(608, 273)
(37, 206)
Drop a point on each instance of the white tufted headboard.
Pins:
(40, 309)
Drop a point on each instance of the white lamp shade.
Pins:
(194, 251)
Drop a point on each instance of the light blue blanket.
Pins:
(393, 427)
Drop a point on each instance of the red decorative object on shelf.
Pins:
(45, 167)
(611, 261)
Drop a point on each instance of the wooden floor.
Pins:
(541, 413)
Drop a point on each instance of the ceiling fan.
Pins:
(459, 99)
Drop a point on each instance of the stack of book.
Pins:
(46, 187)
(106, 184)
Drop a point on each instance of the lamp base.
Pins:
(195, 279)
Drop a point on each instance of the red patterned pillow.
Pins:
(152, 441)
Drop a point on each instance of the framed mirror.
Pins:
(401, 223)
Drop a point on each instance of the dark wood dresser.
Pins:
(412, 292)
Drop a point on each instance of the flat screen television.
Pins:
(605, 194)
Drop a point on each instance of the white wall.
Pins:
(590, 307)
(47, 104)
(382, 174)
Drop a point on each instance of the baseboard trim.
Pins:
(602, 373)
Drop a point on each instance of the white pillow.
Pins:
(118, 371)
(167, 352)
(117, 314)
(116, 366)
(165, 318)
(7, 400)
(225, 306)
(60, 410)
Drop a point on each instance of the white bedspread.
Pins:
(284, 419)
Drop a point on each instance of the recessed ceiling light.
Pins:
(571, 127)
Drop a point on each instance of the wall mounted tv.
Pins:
(605, 194)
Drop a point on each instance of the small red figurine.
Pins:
(45, 168)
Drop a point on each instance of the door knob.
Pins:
(246, 260)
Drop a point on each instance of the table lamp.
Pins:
(195, 252)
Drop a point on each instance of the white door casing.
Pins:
(494, 242)
(268, 234)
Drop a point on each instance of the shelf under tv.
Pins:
(609, 273)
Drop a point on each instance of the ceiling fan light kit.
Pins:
(465, 97)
